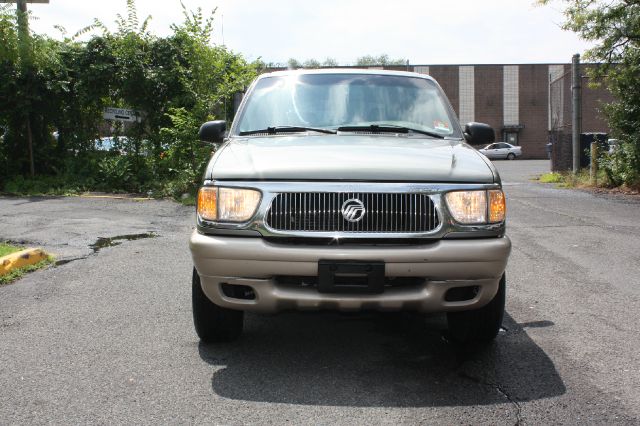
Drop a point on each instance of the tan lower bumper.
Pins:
(254, 262)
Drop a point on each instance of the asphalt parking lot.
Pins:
(106, 335)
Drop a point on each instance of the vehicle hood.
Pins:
(350, 158)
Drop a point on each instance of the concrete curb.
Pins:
(115, 197)
(133, 197)
(20, 259)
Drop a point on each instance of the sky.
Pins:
(422, 31)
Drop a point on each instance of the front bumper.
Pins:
(256, 263)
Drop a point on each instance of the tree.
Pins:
(177, 82)
(614, 27)
(311, 63)
(380, 60)
(329, 62)
(26, 61)
(293, 64)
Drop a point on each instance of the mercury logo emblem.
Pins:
(353, 210)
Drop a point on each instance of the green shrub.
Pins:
(42, 185)
(116, 173)
(622, 167)
(177, 81)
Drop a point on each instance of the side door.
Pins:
(502, 150)
(490, 151)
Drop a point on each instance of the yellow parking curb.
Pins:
(20, 259)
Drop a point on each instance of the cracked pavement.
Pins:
(106, 336)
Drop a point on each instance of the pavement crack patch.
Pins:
(501, 390)
(103, 242)
(65, 261)
(512, 400)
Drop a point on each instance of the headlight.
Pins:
(227, 204)
(477, 207)
(468, 207)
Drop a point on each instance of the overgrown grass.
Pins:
(6, 249)
(180, 190)
(189, 200)
(20, 272)
(580, 180)
(552, 177)
(43, 185)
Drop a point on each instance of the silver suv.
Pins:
(349, 190)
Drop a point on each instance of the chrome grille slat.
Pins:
(389, 212)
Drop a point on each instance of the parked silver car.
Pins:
(502, 150)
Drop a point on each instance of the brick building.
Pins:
(515, 99)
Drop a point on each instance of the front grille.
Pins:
(322, 212)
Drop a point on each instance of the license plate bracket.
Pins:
(338, 276)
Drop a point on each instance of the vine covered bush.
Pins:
(53, 94)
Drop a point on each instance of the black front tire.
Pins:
(511, 156)
(213, 323)
(479, 326)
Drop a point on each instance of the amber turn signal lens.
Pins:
(497, 206)
(208, 203)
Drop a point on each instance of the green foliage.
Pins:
(6, 249)
(552, 177)
(623, 166)
(363, 61)
(293, 64)
(186, 156)
(177, 82)
(329, 62)
(614, 27)
(117, 173)
(44, 185)
(311, 63)
(380, 60)
(582, 179)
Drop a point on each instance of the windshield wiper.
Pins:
(389, 128)
(286, 129)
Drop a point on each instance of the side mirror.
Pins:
(479, 133)
(212, 131)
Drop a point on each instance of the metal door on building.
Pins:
(511, 137)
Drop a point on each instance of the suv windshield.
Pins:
(330, 101)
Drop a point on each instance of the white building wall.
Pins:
(466, 93)
(511, 93)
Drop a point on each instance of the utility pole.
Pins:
(25, 59)
(222, 28)
(576, 111)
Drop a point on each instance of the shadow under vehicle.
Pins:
(378, 360)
